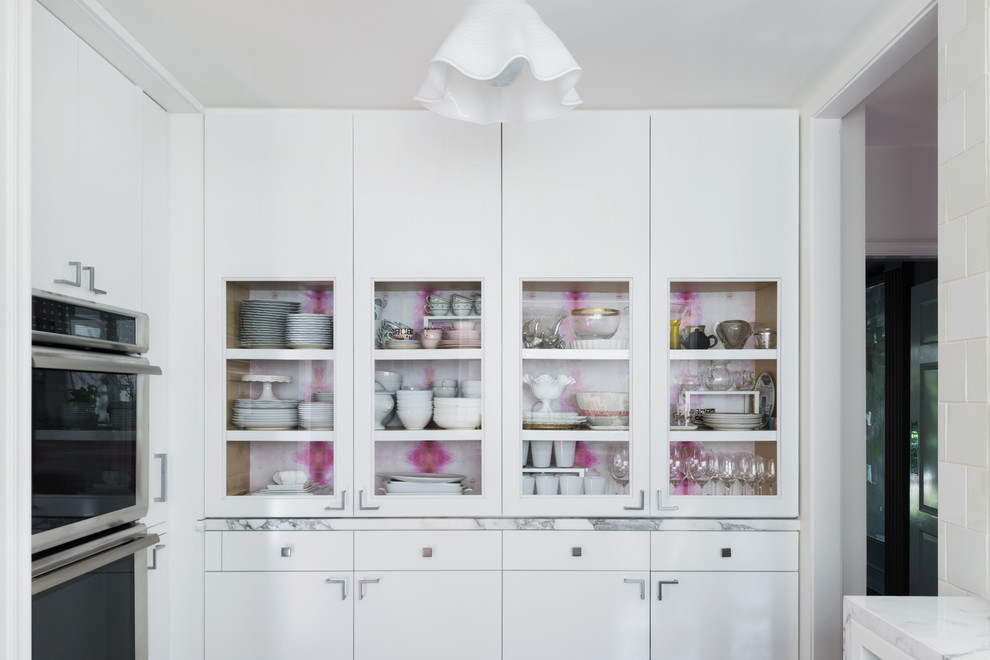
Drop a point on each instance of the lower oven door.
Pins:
(90, 606)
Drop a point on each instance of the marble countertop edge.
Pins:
(494, 523)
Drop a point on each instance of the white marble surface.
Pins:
(929, 628)
(569, 524)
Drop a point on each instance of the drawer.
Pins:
(287, 551)
(569, 551)
(724, 551)
(428, 550)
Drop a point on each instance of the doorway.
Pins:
(901, 427)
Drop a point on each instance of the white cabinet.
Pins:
(580, 595)
(724, 246)
(278, 228)
(724, 595)
(159, 591)
(576, 213)
(427, 595)
(87, 170)
(426, 222)
(278, 594)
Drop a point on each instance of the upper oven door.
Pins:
(89, 443)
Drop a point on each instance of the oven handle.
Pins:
(72, 571)
(69, 360)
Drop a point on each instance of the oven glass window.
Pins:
(84, 445)
(88, 618)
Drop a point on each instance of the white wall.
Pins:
(902, 186)
(963, 270)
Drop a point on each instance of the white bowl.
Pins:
(391, 380)
(414, 420)
(604, 408)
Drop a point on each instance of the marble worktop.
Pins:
(928, 628)
(562, 524)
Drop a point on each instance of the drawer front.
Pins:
(724, 551)
(569, 551)
(287, 551)
(428, 550)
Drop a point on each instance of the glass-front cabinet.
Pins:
(731, 429)
(282, 452)
(576, 431)
(424, 439)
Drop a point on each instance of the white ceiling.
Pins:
(373, 53)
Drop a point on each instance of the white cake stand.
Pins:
(266, 392)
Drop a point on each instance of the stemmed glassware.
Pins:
(618, 465)
(676, 470)
(728, 466)
(698, 466)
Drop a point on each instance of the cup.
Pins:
(432, 333)
(571, 484)
(430, 343)
(546, 484)
(477, 304)
(458, 298)
(401, 334)
(463, 326)
(448, 382)
(564, 452)
(461, 308)
(594, 484)
(541, 450)
(528, 484)
(765, 339)
(434, 299)
(525, 452)
(437, 309)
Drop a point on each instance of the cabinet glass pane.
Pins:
(723, 378)
(574, 392)
(428, 413)
(279, 389)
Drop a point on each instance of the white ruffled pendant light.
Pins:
(501, 63)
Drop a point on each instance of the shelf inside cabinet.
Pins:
(584, 435)
(402, 435)
(574, 354)
(428, 354)
(711, 435)
(741, 354)
(294, 435)
(279, 354)
(529, 469)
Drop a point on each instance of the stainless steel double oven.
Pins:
(89, 479)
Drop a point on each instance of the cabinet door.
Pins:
(427, 222)
(428, 614)
(743, 616)
(155, 295)
(260, 616)
(159, 620)
(54, 152)
(576, 209)
(110, 213)
(579, 615)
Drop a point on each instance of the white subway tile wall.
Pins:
(964, 255)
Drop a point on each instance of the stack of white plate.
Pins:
(414, 408)
(461, 339)
(732, 421)
(419, 483)
(323, 396)
(553, 420)
(457, 413)
(309, 331)
(308, 488)
(263, 322)
(316, 415)
(272, 415)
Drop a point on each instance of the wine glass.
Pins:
(770, 475)
(677, 473)
(618, 466)
(727, 471)
(698, 467)
(745, 473)
(759, 474)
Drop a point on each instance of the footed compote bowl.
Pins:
(266, 392)
(547, 388)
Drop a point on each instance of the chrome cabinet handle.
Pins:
(343, 587)
(361, 503)
(343, 503)
(660, 584)
(78, 282)
(362, 583)
(154, 556)
(92, 279)
(642, 586)
(164, 487)
(660, 506)
(642, 503)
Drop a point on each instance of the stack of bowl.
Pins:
(457, 413)
(471, 389)
(414, 407)
(604, 409)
